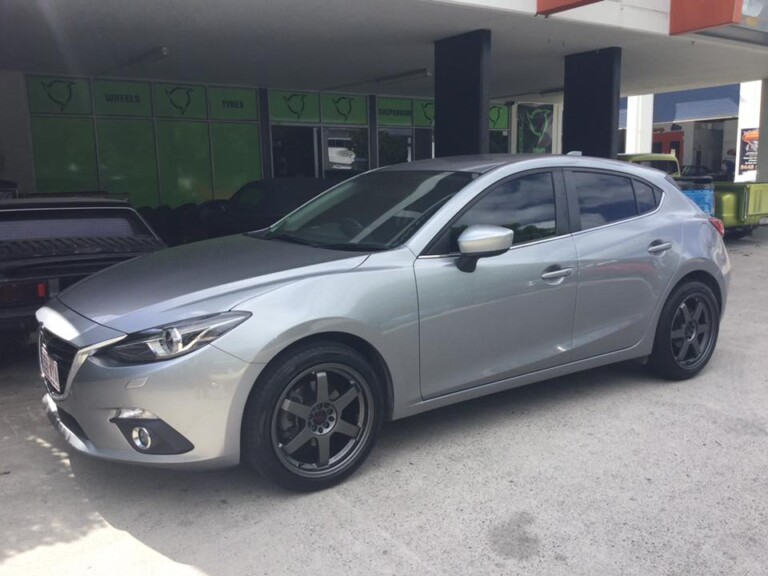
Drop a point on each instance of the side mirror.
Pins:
(482, 241)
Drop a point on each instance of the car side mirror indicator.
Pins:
(482, 241)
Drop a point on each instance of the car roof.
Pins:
(478, 164)
(648, 156)
(61, 202)
(485, 163)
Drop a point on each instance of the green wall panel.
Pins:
(343, 109)
(180, 101)
(424, 113)
(184, 162)
(395, 112)
(113, 98)
(65, 154)
(294, 106)
(498, 116)
(54, 95)
(236, 157)
(127, 160)
(233, 104)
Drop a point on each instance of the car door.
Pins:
(514, 313)
(628, 250)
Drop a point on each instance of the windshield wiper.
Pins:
(287, 238)
(353, 247)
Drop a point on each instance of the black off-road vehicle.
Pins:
(48, 244)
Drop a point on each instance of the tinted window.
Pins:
(603, 198)
(376, 211)
(70, 223)
(525, 204)
(645, 197)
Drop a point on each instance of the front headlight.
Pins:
(174, 340)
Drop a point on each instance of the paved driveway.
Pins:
(607, 472)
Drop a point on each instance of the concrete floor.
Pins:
(606, 472)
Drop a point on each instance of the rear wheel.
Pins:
(313, 417)
(687, 332)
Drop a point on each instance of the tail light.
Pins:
(23, 293)
(719, 226)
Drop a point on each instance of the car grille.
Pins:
(64, 354)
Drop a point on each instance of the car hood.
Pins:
(197, 279)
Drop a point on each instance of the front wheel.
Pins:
(687, 331)
(313, 417)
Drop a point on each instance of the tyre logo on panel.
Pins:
(296, 104)
(59, 92)
(495, 116)
(180, 98)
(428, 109)
(343, 105)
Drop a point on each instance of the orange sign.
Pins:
(694, 15)
(548, 7)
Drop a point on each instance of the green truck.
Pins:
(742, 206)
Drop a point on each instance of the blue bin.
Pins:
(701, 191)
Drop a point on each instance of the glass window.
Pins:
(346, 151)
(603, 198)
(71, 223)
(645, 198)
(525, 205)
(395, 146)
(376, 211)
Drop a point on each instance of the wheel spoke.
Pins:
(323, 450)
(699, 310)
(678, 334)
(703, 329)
(344, 427)
(685, 311)
(683, 351)
(298, 441)
(696, 347)
(296, 409)
(322, 386)
(346, 399)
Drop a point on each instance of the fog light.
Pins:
(141, 438)
(135, 414)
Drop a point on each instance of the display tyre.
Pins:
(686, 334)
(312, 417)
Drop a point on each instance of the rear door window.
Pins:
(603, 198)
(646, 201)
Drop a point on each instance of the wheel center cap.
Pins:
(691, 330)
(322, 418)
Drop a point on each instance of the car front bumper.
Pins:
(200, 397)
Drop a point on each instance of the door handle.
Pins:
(658, 247)
(558, 273)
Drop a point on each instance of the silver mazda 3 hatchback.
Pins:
(401, 290)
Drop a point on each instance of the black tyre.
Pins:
(312, 417)
(687, 332)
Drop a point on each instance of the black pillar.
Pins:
(462, 93)
(591, 103)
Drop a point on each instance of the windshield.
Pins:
(375, 211)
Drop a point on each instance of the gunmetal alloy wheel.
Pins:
(687, 331)
(313, 416)
(322, 420)
(692, 330)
